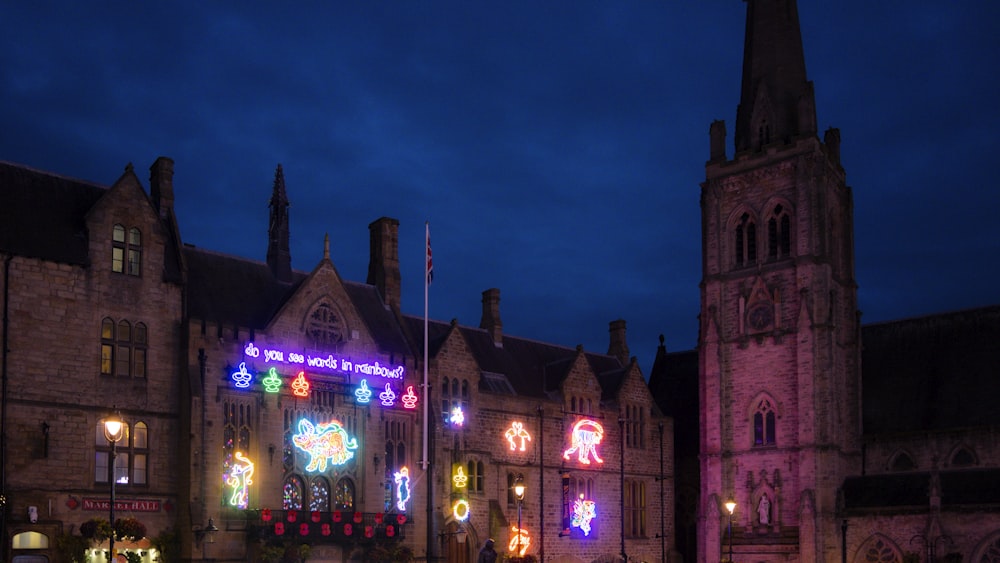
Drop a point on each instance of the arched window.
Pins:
(324, 326)
(779, 234)
(319, 495)
(745, 235)
(343, 495)
(292, 493)
(902, 462)
(963, 457)
(763, 424)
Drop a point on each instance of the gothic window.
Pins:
(779, 235)
(396, 434)
(763, 134)
(126, 252)
(763, 424)
(123, 348)
(475, 472)
(292, 493)
(746, 241)
(878, 550)
(237, 422)
(902, 462)
(324, 326)
(319, 495)
(635, 426)
(343, 495)
(454, 395)
(963, 458)
(635, 509)
(131, 455)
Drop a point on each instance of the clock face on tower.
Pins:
(760, 316)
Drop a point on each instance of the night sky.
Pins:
(555, 147)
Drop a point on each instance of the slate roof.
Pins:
(533, 369)
(50, 210)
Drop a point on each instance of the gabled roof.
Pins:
(44, 214)
(238, 291)
(531, 367)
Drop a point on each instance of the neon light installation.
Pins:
(519, 537)
(300, 386)
(363, 393)
(460, 510)
(388, 397)
(329, 362)
(460, 479)
(272, 383)
(517, 432)
(324, 441)
(241, 378)
(240, 478)
(457, 416)
(586, 436)
(402, 480)
(409, 400)
(583, 512)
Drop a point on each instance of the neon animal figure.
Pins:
(239, 477)
(586, 436)
(515, 432)
(324, 441)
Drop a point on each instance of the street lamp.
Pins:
(519, 494)
(114, 430)
(730, 506)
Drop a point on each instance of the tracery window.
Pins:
(324, 326)
(123, 348)
(396, 435)
(131, 455)
(454, 393)
(343, 495)
(878, 551)
(745, 241)
(319, 495)
(237, 421)
(126, 252)
(292, 493)
(779, 234)
(763, 424)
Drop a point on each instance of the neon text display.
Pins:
(402, 480)
(460, 510)
(583, 512)
(584, 439)
(325, 441)
(519, 538)
(239, 478)
(329, 362)
(516, 433)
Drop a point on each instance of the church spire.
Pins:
(777, 104)
(279, 257)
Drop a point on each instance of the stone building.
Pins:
(268, 408)
(833, 441)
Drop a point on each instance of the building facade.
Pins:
(274, 414)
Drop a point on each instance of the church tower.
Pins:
(779, 338)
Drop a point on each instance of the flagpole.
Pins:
(427, 275)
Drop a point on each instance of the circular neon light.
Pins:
(460, 510)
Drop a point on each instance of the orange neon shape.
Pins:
(519, 538)
(300, 386)
(515, 433)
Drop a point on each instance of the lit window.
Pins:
(344, 495)
(319, 495)
(131, 455)
(123, 348)
(126, 254)
(292, 493)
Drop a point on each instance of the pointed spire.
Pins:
(279, 257)
(776, 100)
(326, 247)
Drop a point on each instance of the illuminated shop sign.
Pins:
(584, 439)
(324, 441)
(331, 362)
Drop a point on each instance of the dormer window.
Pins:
(126, 251)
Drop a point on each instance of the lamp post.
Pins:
(205, 535)
(519, 494)
(730, 506)
(114, 429)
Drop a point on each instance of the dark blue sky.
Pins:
(555, 147)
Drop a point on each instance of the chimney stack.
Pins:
(161, 185)
(383, 261)
(618, 346)
(491, 316)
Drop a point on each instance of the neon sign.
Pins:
(272, 383)
(239, 478)
(329, 362)
(517, 432)
(402, 480)
(519, 541)
(409, 400)
(583, 512)
(324, 441)
(363, 393)
(460, 479)
(300, 387)
(241, 378)
(584, 439)
(457, 416)
(460, 510)
(387, 397)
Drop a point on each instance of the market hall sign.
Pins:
(137, 505)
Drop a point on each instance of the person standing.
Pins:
(487, 554)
